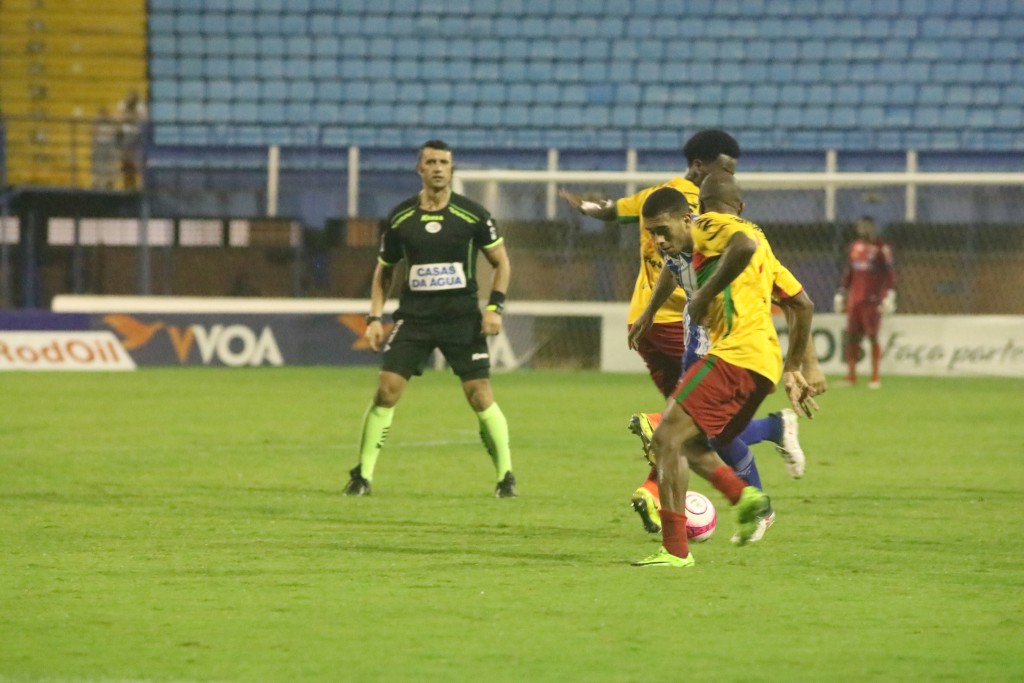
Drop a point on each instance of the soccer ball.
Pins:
(701, 517)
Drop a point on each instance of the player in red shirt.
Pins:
(866, 292)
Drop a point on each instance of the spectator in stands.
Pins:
(104, 150)
(132, 117)
(865, 293)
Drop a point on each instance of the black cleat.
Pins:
(357, 486)
(506, 488)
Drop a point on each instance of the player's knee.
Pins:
(479, 394)
(388, 392)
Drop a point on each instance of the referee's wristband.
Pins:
(372, 319)
(497, 302)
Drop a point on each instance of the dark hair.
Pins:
(707, 145)
(435, 144)
(665, 200)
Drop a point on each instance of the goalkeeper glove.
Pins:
(839, 303)
(888, 306)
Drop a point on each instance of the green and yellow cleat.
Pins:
(752, 505)
(641, 425)
(664, 558)
(647, 506)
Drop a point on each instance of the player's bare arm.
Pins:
(810, 367)
(497, 256)
(663, 289)
(734, 259)
(798, 389)
(603, 210)
(379, 287)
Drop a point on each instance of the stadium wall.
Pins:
(172, 331)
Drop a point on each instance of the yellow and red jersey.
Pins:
(651, 259)
(739, 320)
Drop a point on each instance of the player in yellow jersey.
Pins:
(737, 273)
(663, 342)
(662, 348)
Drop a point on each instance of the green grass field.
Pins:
(187, 524)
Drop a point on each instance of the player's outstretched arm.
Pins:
(603, 210)
(379, 287)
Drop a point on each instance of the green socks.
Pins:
(494, 434)
(376, 424)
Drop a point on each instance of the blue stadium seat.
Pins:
(186, 24)
(485, 70)
(160, 22)
(488, 115)
(353, 112)
(874, 93)
(902, 94)
(191, 67)
(164, 110)
(734, 118)
(624, 117)
(243, 46)
(1009, 117)
(841, 116)
(244, 67)
(548, 93)
(808, 72)
(163, 45)
(214, 23)
(981, 118)
(217, 67)
(217, 112)
(788, 116)
(542, 115)
(190, 112)
(272, 46)
(568, 72)
(627, 94)
(301, 90)
(164, 89)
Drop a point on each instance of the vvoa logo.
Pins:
(233, 345)
(236, 345)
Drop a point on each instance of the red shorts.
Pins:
(662, 350)
(863, 319)
(721, 397)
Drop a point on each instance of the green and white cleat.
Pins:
(664, 558)
(789, 445)
(763, 525)
(750, 508)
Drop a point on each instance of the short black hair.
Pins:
(707, 145)
(435, 144)
(665, 200)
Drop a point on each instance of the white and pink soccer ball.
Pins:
(701, 517)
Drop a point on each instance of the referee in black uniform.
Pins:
(438, 233)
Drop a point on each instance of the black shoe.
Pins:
(357, 486)
(506, 488)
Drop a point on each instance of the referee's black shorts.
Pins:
(408, 347)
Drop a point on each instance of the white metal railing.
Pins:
(828, 180)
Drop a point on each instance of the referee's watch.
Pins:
(372, 319)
